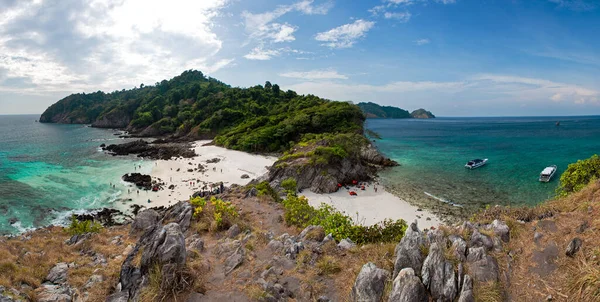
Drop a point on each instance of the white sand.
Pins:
(232, 165)
(373, 207)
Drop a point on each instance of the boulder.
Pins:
(233, 231)
(245, 176)
(181, 213)
(58, 274)
(144, 220)
(501, 230)
(346, 244)
(459, 247)
(482, 267)
(141, 181)
(466, 294)
(312, 232)
(275, 245)
(234, 260)
(369, 284)
(53, 293)
(407, 287)
(478, 239)
(167, 247)
(408, 251)
(438, 274)
(574, 247)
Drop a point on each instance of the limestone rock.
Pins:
(478, 239)
(407, 287)
(181, 213)
(466, 295)
(58, 274)
(574, 247)
(167, 247)
(144, 220)
(459, 247)
(118, 297)
(346, 244)
(408, 251)
(501, 230)
(234, 260)
(482, 267)
(369, 284)
(53, 293)
(438, 274)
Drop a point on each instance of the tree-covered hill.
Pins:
(372, 110)
(259, 118)
(422, 113)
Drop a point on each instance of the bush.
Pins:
(82, 227)
(217, 214)
(299, 213)
(290, 185)
(265, 189)
(578, 175)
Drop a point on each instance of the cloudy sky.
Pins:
(454, 57)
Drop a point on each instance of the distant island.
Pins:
(372, 110)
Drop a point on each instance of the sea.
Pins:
(432, 154)
(49, 171)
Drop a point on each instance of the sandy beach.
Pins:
(370, 207)
(229, 168)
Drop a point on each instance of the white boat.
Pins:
(476, 163)
(548, 173)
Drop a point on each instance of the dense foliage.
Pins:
(372, 110)
(259, 118)
(578, 175)
(299, 213)
(422, 113)
(83, 227)
(322, 149)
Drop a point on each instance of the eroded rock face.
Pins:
(501, 230)
(181, 213)
(58, 274)
(167, 247)
(466, 295)
(53, 293)
(408, 251)
(144, 220)
(369, 284)
(482, 267)
(408, 288)
(459, 247)
(481, 240)
(438, 274)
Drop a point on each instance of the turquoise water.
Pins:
(433, 152)
(48, 171)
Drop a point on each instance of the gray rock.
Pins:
(53, 293)
(327, 238)
(181, 213)
(78, 239)
(233, 231)
(501, 230)
(93, 280)
(466, 294)
(478, 239)
(482, 267)
(245, 176)
(253, 192)
(234, 260)
(436, 235)
(118, 297)
(574, 247)
(144, 220)
(291, 248)
(369, 284)
(312, 230)
(537, 236)
(438, 275)
(167, 247)
(275, 245)
(407, 287)
(346, 244)
(408, 251)
(459, 247)
(323, 299)
(58, 274)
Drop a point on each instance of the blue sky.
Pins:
(453, 57)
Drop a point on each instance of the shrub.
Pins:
(265, 189)
(299, 213)
(290, 185)
(578, 175)
(217, 214)
(82, 227)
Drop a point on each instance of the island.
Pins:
(373, 110)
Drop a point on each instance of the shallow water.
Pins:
(433, 152)
(47, 171)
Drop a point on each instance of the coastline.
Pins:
(372, 207)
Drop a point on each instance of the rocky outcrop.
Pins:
(153, 151)
(114, 119)
(409, 251)
(466, 294)
(145, 220)
(142, 181)
(407, 287)
(482, 267)
(422, 113)
(181, 213)
(369, 284)
(370, 155)
(438, 275)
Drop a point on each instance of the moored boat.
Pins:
(548, 173)
(476, 163)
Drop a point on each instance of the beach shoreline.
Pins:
(368, 207)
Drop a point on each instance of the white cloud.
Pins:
(422, 42)
(107, 44)
(258, 53)
(405, 2)
(446, 1)
(261, 26)
(400, 16)
(346, 35)
(314, 74)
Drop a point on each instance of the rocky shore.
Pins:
(154, 150)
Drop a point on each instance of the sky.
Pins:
(453, 57)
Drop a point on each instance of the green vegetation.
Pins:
(290, 185)
(323, 149)
(299, 213)
(255, 119)
(265, 189)
(578, 175)
(372, 110)
(82, 227)
(372, 134)
(422, 113)
(215, 215)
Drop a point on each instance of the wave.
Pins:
(443, 200)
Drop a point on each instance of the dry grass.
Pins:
(488, 292)
(328, 265)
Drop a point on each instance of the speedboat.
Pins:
(548, 173)
(476, 163)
